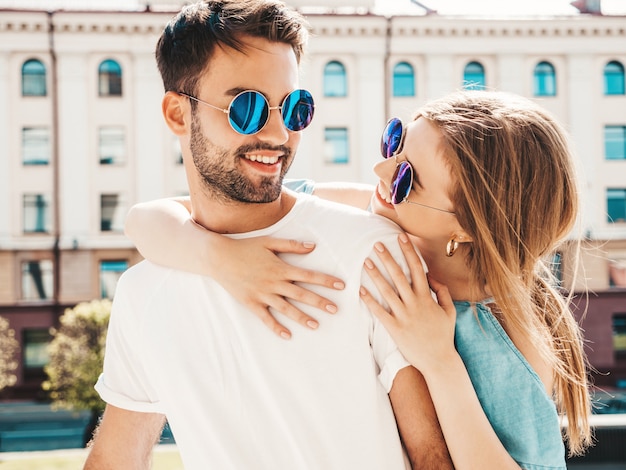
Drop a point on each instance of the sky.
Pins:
(444, 7)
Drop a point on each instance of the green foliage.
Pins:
(8, 348)
(77, 355)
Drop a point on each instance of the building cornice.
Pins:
(435, 26)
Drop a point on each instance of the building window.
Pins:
(110, 272)
(37, 280)
(35, 146)
(112, 213)
(33, 78)
(335, 82)
(36, 213)
(110, 78)
(545, 79)
(619, 335)
(35, 343)
(556, 267)
(336, 147)
(616, 205)
(617, 273)
(111, 145)
(615, 142)
(403, 80)
(614, 78)
(474, 76)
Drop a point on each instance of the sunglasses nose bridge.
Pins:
(274, 129)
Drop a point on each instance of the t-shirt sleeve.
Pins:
(387, 355)
(125, 382)
(300, 185)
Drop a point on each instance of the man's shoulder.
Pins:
(144, 275)
(347, 218)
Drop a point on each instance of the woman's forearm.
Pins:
(471, 440)
(163, 232)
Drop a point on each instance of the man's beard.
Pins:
(225, 181)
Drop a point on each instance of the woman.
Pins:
(484, 184)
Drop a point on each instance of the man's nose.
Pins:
(274, 132)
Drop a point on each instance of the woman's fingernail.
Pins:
(368, 263)
(331, 308)
(338, 285)
(312, 324)
(379, 247)
(308, 244)
(285, 335)
(362, 291)
(404, 238)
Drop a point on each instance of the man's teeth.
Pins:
(263, 159)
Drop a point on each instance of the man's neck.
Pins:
(238, 217)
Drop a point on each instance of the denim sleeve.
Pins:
(300, 185)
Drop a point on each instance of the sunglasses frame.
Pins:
(391, 150)
(269, 108)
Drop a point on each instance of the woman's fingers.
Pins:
(385, 318)
(415, 262)
(385, 288)
(296, 274)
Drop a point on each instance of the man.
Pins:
(180, 347)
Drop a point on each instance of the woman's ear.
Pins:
(174, 108)
(461, 236)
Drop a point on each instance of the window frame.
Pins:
(109, 283)
(402, 79)
(615, 142)
(544, 79)
(619, 350)
(42, 273)
(114, 222)
(110, 78)
(117, 142)
(30, 146)
(476, 79)
(620, 216)
(40, 205)
(614, 84)
(335, 82)
(34, 82)
(336, 151)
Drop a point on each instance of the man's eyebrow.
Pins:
(235, 91)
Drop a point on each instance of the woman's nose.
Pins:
(384, 169)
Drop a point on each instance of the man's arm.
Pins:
(417, 422)
(124, 440)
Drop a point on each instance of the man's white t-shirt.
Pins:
(238, 397)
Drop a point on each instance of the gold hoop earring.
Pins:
(451, 247)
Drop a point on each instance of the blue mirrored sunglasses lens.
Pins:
(391, 138)
(401, 183)
(298, 110)
(248, 112)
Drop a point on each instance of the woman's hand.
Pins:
(422, 328)
(251, 271)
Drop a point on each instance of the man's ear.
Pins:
(175, 109)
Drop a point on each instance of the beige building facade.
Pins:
(77, 153)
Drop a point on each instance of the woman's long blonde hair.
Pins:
(516, 195)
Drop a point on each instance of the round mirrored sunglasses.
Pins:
(249, 111)
(391, 144)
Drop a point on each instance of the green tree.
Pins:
(8, 348)
(76, 358)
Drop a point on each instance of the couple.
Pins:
(482, 182)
